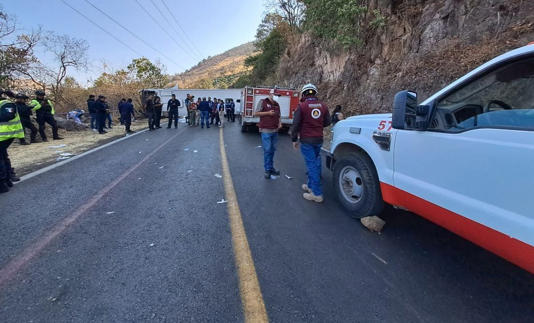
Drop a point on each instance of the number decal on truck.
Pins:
(385, 124)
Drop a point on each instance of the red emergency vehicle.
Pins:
(252, 97)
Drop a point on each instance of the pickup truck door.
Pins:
(473, 171)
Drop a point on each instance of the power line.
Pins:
(183, 31)
(174, 29)
(133, 34)
(101, 28)
(160, 26)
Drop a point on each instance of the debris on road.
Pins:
(218, 175)
(161, 167)
(66, 155)
(379, 258)
(190, 171)
(195, 151)
(152, 245)
(62, 158)
(186, 149)
(110, 212)
(222, 201)
(373, 223)
(289, 177)
(140, 152)
(259, 146)
(57, 146)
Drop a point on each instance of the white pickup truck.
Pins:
(463, 158)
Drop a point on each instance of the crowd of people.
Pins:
(205, 111)
(15, 117)
(101, 115)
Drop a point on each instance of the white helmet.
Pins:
(309, 89)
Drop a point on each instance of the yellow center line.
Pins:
(249, 286)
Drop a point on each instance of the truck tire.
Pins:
(357, 186)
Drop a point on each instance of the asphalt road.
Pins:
(133, 232)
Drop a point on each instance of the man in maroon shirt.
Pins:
(270, 122)
(309, 120)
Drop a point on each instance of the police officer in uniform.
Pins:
(10, 128)
(172, 109)
(25, 113)
(44, 110)
(309, 120)
(158, 106)
(127, 112)
(101, 109)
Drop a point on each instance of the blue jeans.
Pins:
(108, 118)
(94, 125)
(312, 157)
(268, 142)
(204, 117)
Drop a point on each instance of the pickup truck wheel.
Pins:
(356, 185)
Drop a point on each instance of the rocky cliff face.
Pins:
(425, 45)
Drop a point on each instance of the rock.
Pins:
(69, 125)
(373, 223)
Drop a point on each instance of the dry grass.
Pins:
(26, 159)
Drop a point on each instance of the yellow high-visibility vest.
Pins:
(36, 106)
(12, 128)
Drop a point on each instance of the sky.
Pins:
(211, 27)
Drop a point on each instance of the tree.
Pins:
(16, 51)
(68, 52)
(292, 11)
(148, 73)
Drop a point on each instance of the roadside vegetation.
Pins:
(344, 24)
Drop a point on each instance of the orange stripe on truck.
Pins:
(513, 250)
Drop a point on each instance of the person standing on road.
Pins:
(172, 109)
(270, 123)
(158, 106)
(101, 109)
(220, 113)
(192, 112)
(187, 103)
(204, 108)
(127, 112)
(309, 120)
(230, 110)
(197, 112)
(25, 113)
(10, 128)
(92, 111)
(150, 112)
(213, 111)
(121, 102)
(44, 110)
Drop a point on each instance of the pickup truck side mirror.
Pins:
(404, 110)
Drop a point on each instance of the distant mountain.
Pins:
(219, 71)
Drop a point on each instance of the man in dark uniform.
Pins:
(172, 109)
(101, 108)
(44, 110)
(150, 112)
(10, 128)
(92, 112)
(25, 113)
(158, 107)
(204, 108)
(127, 112)
(309, 120)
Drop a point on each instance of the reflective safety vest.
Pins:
(36, 106)
(12, 128)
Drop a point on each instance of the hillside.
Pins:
(423, 46)
(218, 71)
